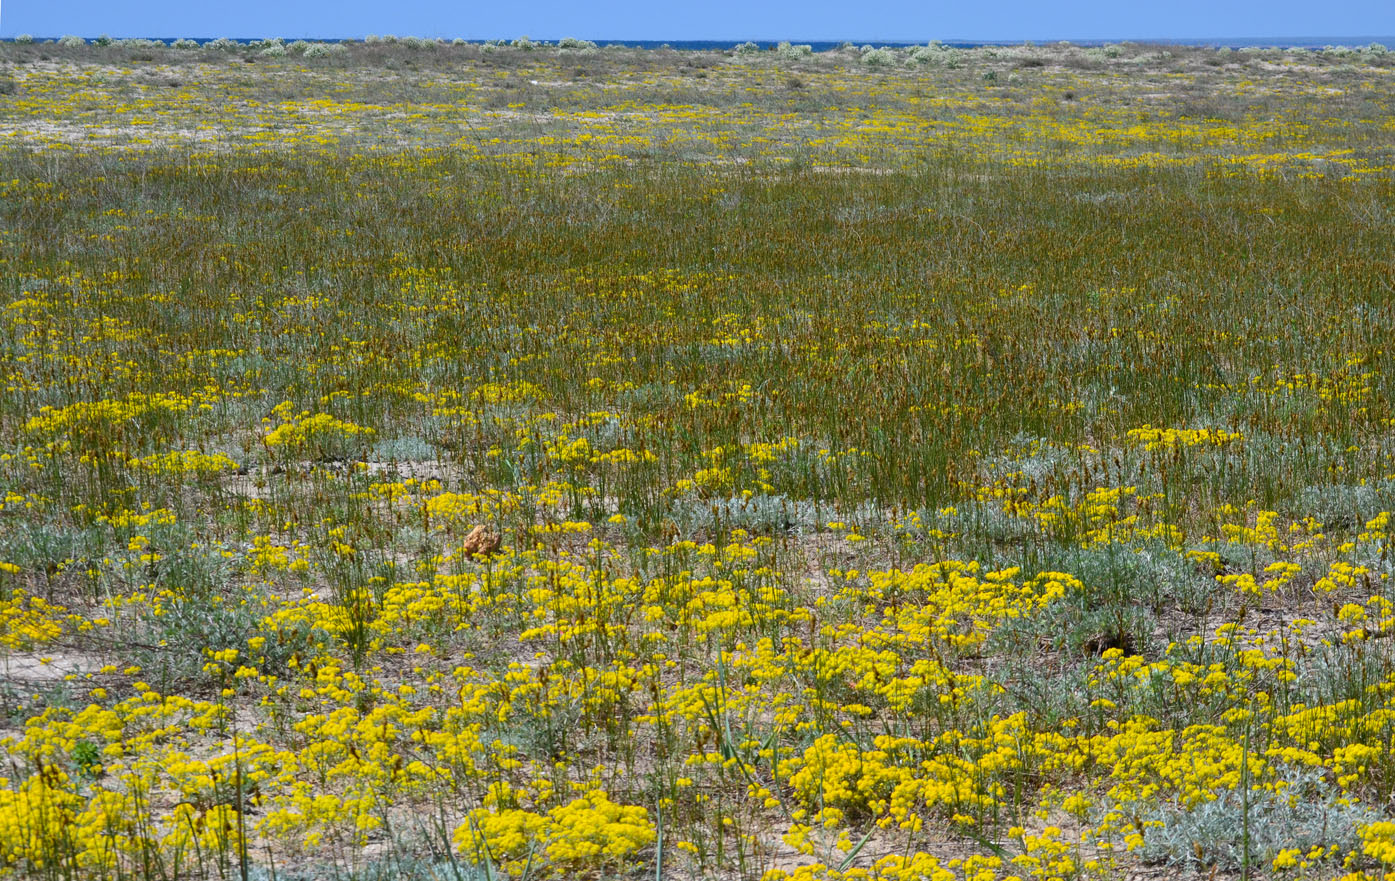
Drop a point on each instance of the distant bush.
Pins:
(747, 48)
(792, 52)
(140, 43)
(71, 40)
(524, 43)
(24, 39)
(275, 50)
(185, 43)
(418, 43)
(924, 55)
(325, 50)
(223, 44)
(1376, 52)
(882, 57)
(574, 43)
(103, 40)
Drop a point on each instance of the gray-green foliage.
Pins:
(1212, 834)
(759, 514)
(325, 50)
(47, 552)
(1344, 506)
(880, 57)
(932, 53)
(401, 866)
(793, 52)
(171, 642)
(1153, 575)
(410, 448)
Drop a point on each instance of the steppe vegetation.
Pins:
(459, 461)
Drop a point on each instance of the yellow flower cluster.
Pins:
(306, 430)
(587, 831)
(180, 462)
(1170, 439)
(26, 620)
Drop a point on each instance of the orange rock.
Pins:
(480, 542)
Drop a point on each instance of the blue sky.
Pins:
(868, 20)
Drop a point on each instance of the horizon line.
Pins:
(1246, 41)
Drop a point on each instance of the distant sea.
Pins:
(825, 45)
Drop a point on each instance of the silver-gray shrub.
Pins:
(759, 514)
(170, 645)
(1124, 574)
(793, 52)
(881, 57)
(325, 50)
(933, 52)
(1344, 507)
(1309, 813)
(407, 448)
